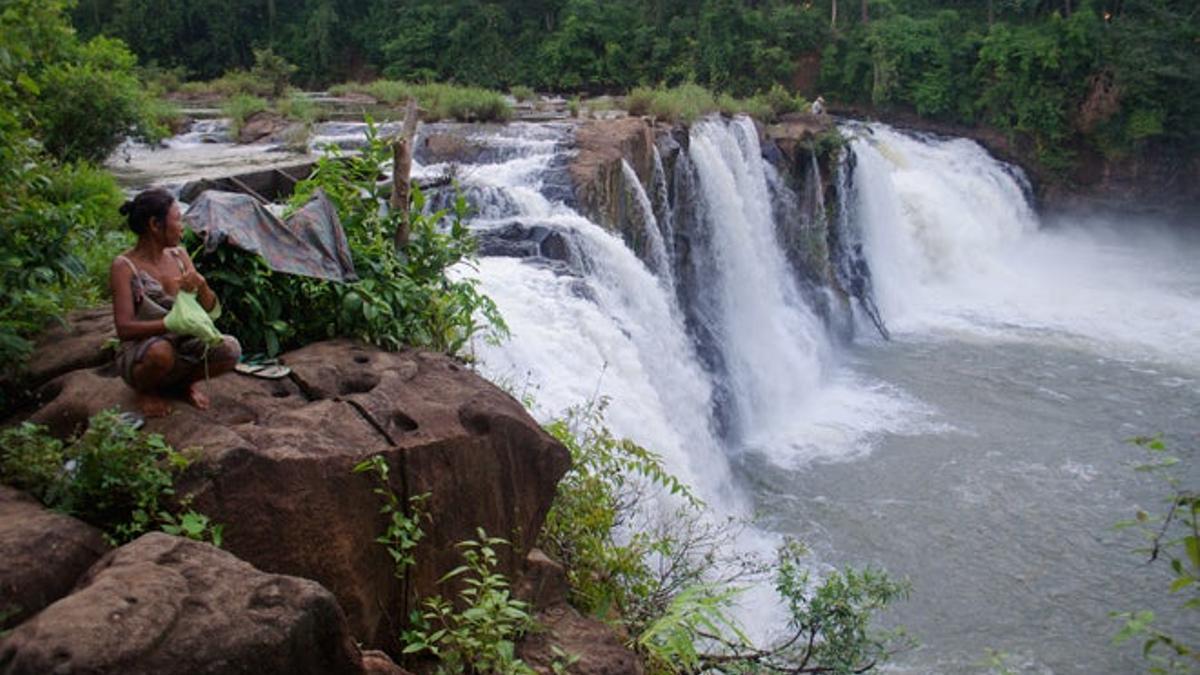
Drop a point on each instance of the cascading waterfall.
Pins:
(771, 343)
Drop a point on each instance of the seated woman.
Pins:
(145, 280)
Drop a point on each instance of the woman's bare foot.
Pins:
(153, 405)
(196, 397)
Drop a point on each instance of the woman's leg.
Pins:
(221, 359)
(148, 375)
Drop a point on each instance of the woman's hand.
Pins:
(193, 282)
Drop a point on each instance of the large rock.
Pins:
(261, 125)
(163, 604)
(82, 340)
(44, 554)
(274, 463)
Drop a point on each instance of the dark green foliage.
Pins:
(399, 300)
(112, 476)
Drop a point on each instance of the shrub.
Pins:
(438, 101)
(239, 108)
(481, 637)
(112, 476)
(670, 583)
(522, 93)
(297, 107)
(398, 300)
(90, 103)
(273, 70)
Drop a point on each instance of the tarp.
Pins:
(310, 243)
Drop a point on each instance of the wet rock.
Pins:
(163, 604)
(274, 463)
(517, 240)
(44, 554)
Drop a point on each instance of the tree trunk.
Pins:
(991, 13)
(833, 17)
(401, 171)
(867, 17)
(1066, 8)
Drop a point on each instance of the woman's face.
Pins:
(172, 229)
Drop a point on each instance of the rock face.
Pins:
(162, 604)
(274, 463)
(599, 179)
(44, 553)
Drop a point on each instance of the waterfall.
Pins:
(846, 253)
(762, 328)
(607, 329)
(662, 203)
(643, 213)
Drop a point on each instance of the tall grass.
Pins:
(689, 102)
(439, 101)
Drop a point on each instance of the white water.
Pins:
(659, 258)
(956, 250)
(773, 344)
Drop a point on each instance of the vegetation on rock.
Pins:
(406, 298)
(112, 476)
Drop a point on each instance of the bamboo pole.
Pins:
(401, 172)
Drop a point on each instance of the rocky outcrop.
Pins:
(797, 133)
(44, 554)
(596, 169)
(273, 462)
(163, 604)
(592, 647)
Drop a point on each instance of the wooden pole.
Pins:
(401, 172)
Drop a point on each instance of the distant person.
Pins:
(818, 106)
(145, 281)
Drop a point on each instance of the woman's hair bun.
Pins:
(127, 207)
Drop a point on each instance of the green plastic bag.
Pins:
(187, 317)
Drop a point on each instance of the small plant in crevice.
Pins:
(112, 476)
(482, 636)
(403, 531)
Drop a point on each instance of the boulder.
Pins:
(261, 125)
(44, 554)
(79, 341)
(163, 604)
(273, 462)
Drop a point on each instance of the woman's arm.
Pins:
(128, 326)
(193, 281)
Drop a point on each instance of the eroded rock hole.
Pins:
(404, 422)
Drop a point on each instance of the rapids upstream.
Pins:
(982, 452)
